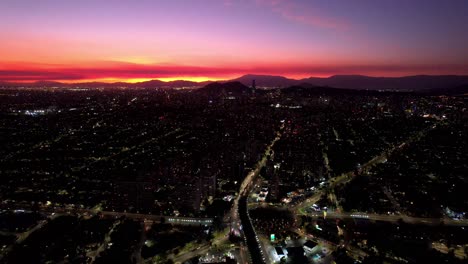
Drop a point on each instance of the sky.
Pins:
(137, 40)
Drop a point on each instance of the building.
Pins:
(309, 246)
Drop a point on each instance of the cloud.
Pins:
(38, 75)
(303, 14)
(118, 70)
(126, 71)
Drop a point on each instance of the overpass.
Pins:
(175, 220)
(392, 218)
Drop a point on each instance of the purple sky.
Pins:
(213, 39)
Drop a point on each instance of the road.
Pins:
(107, 238)
(247, 184)
(353, 251)
(24, 235)
(246, 187)
(257, 253)
(392, 218)
(136, 256)
(200, 250)
(233, 215)
(115, 214)
(348, 176)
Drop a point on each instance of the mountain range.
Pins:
(355, 82)
(360, 82)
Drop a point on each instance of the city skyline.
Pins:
(234, 131)
(218, 40)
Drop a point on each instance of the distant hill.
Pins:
(307, 90)
(171, 84)
(413, 83)
(360, 82)
(266, 81)
(217, 89)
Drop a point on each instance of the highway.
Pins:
(247, 186)
(344, 179)
(200, 250)
(392, 218)
(252, 240)
(114, 214)
(233, 215)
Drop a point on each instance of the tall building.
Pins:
(253, 86)
(275, 182)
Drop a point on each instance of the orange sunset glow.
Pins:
(215, 40)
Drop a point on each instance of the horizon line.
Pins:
(205, 80)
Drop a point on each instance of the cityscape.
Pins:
(229, 172)
(223, 151)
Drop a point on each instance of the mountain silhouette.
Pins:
(361, 82)
(414, 83)
(266, 80)
(417, 83)
(217, 89)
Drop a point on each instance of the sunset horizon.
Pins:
(135, 73)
